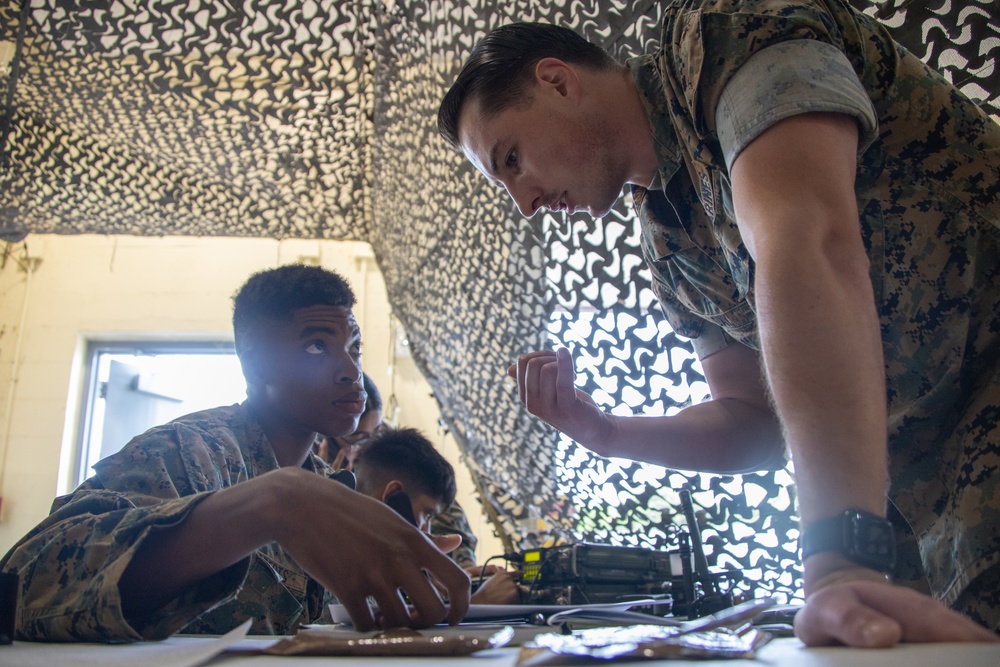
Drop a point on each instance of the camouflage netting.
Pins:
(316, 119)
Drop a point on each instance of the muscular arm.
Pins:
(794, 198)
(353, 545)
(735, 431)
(793, 190)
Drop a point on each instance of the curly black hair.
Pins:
(274, 294)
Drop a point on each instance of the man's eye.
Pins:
(316, 347)
(511, 159)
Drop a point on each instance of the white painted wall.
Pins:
(110, 287)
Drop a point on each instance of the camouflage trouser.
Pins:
(981, 599)
(909, 570)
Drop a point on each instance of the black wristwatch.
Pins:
(864, 538)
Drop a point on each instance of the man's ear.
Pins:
(557, 75)
(393, 486)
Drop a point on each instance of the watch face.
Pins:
(870, 541)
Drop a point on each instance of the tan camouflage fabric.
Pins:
(928, 191)
(453, 521)
(69, 565)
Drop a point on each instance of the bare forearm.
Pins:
(735, 432)
(823, 358)
(793, 189)
(722, 436)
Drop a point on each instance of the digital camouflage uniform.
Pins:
(453, 521)
(70, 565)
(928, 193)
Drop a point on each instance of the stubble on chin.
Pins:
(607, 190)
(607, 175)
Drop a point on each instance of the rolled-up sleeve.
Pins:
(787, 79)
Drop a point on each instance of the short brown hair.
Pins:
(500, 67)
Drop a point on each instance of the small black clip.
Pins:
(8, 606)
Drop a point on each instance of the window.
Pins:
(132, 386)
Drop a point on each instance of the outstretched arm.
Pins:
(735, 431)
(353, 545)
(793, 191)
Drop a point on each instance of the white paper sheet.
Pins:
(175, 652)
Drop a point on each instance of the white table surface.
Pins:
(778, 653)
(228, 651)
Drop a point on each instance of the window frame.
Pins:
(93, 349)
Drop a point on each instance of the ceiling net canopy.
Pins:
(195, 118)
(318, 120)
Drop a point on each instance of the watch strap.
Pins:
(865, 538)
(823, 535)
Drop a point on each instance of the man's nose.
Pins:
(351, 373)
(527, 199)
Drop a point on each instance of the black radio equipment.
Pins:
(679, 580)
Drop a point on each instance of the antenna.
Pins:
(697, 550)
(713, 599)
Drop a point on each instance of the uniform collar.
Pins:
(259, 451)
(649, 83)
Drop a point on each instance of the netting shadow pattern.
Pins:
(317, 120)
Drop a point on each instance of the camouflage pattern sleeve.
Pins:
(786, 79)
(70, 564)
(453, 521)
(69, 567)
